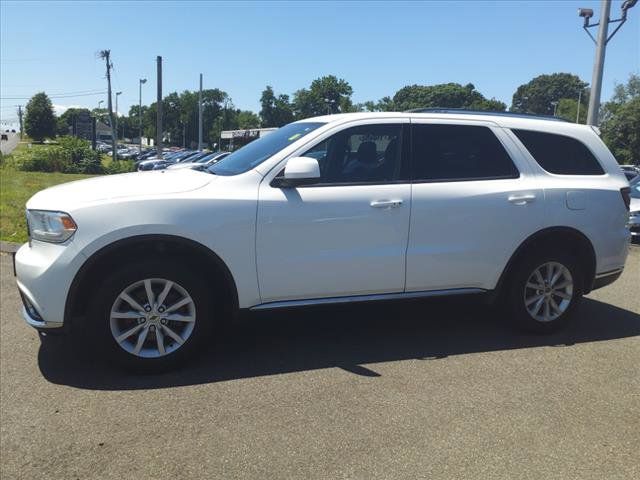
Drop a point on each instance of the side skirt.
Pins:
(367, 298)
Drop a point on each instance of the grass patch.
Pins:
(16, 187)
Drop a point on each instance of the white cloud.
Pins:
(60, 109)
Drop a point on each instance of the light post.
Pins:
(116, 119)
(555, 107)
(142, 80)
(98, 115)
(578, 112)
(601, 46)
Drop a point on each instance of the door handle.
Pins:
(386, 203)
(521, 199)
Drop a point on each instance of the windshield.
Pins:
(635, 187)
(258, 151)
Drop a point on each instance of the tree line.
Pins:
(561, 94)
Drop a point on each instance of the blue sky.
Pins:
(378, 47)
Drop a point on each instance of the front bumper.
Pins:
(44, 273)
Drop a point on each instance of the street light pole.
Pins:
(601, 46)
(116, 119)
(200, 115)
(142, 80)
(578, 112)
(555, 107)
(598, 64)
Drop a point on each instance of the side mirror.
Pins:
(298, 171)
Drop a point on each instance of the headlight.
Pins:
(54, 227)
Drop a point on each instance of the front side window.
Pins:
(458, 152)
(559, 154)
(256, 152)
(363, 154)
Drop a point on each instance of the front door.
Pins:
(347, 234)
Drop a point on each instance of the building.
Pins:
(233, 139)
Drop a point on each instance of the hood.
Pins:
(109, 187)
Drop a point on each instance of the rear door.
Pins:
(474, 201)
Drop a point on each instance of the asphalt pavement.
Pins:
(402, 390)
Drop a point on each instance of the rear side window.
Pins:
(457, 153)
(560, 154)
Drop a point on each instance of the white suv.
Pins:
(342, 208)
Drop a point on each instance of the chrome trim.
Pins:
(367, 298)
(610, 272)
(37, 323)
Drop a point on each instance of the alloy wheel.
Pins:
(548, 292)
(152, 318)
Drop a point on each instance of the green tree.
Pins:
(275, 111)
(64, 123)
(327, 94)
(568, 109)
(621, 124)
(40, 121)
(536, 96)
(445, 95)
(385, 104)
(247, 119)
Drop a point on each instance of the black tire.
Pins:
(98, 321)
(517, 285)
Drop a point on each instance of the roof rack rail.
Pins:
(485, 112)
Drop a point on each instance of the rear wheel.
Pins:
(544, 291)
(151, 315)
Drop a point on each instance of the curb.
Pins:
(9, 247)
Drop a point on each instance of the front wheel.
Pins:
(151, 315)
(545, 291)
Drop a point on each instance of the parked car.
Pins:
(630, 171)
(335, 209)
(202, 163)
(634, 216)
(167, 159)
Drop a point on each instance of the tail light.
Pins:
(626, 197)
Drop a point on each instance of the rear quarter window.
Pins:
(559, 154)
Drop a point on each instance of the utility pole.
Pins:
(20, 117)
(142, 80)
(159, 109)
(601, 46)
(105, 54)
(200, 115)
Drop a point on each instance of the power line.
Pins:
(60, 95)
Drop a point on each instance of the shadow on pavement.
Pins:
(344, 337)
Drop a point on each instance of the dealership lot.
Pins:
(402, 390)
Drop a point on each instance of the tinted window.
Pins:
(458, 152)
(258, 151)
(364, 154)
(559, 154)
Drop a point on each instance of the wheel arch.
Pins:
(198, 255)
(573, 237)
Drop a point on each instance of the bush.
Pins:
(120, 166)
(71, 155)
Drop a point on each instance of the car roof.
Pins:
(502, 119)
